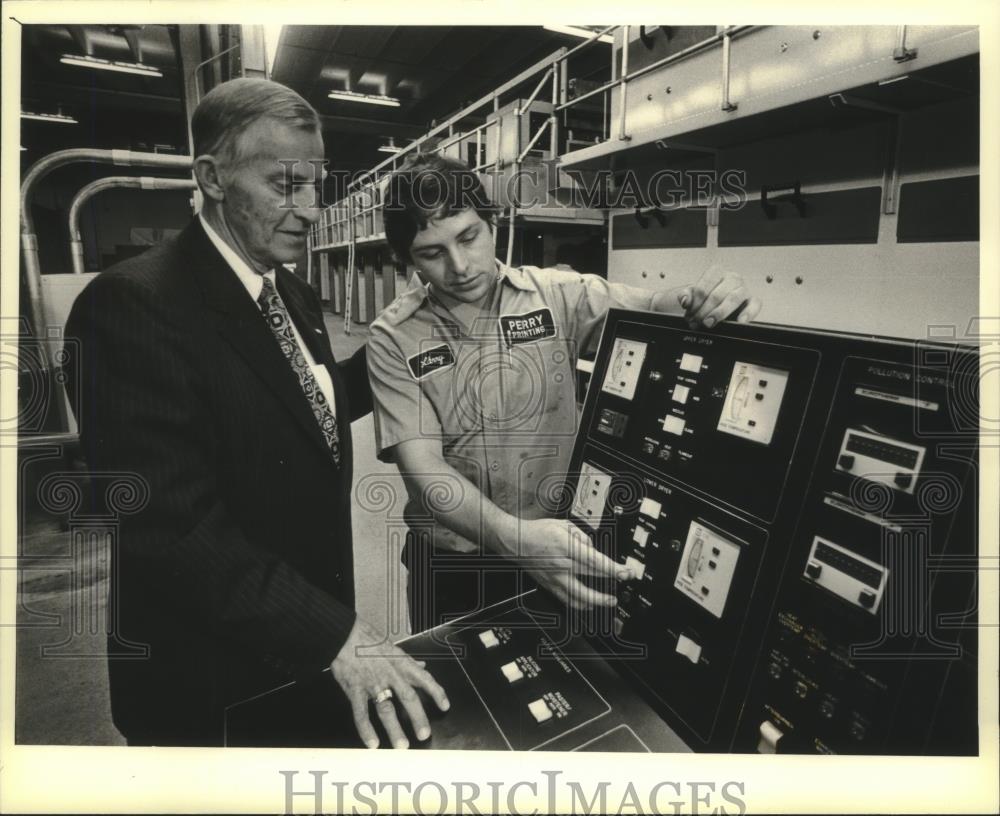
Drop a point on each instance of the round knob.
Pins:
(618, 510)
(655, 376)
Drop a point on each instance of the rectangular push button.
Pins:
(489, 639)
(637, 567)
(650, 508)
(681, 393)
(691, 362)
(673, 424)
(641, 536)
(540, 710)
(512, 672)
(688, 648)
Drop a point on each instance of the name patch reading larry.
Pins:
(527, 328)
(427, 362)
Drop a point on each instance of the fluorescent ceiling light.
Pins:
(60, 118)
(368, 99)
(109, 65)
(574, 31)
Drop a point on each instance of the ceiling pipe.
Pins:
(40, 169)
(107, 183)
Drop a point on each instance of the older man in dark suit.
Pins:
(206, 370)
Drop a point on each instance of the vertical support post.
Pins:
(901, 53)
(340, 285)
(727, 104)
(554, 124)
(388, 278)
(350, 296)
(252, 51)
(497, 164)
(890, 169)
(622, 134)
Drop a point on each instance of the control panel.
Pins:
(518, 675)
(798, 513)
(796, 509)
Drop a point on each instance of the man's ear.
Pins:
(206, 172)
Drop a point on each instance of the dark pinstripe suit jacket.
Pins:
(238, 571)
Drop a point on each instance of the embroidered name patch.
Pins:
(427, 362)
(527, 328)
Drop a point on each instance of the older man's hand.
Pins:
(371, 671)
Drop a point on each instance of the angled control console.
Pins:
(799, 512)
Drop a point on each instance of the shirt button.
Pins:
(495, 466)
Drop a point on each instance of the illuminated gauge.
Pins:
(739, 399)
(694, 557)
(618, 363)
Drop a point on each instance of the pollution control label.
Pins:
(529, 327)
(427, 362)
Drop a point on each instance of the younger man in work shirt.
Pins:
(473, 381)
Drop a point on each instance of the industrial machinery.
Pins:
(799, 511)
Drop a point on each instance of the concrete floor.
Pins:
(61, 674)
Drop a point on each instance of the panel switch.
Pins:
(489, 639)
(637, 567)
(688, 648)
(650, 508)
(540, 710)
(770, 735)
(813, 570)
(691, 362)
(512, 672)
(673, 424)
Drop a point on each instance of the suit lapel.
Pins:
(241, 324)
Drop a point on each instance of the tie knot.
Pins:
(266, 292)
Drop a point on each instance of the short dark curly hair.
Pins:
(430, 186)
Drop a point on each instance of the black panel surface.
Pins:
(839, 217)
(591, 709)
(939, 210)
(680, 228)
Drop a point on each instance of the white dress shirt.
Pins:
(253, 283)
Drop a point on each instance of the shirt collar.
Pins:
(516, 277)
(417, 293)
(251, 280)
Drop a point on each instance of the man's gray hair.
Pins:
(229, 109)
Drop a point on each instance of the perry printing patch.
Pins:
(528, 327)
(425, 363)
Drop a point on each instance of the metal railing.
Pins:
(554, 67)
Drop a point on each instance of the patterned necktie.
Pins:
(276, 314)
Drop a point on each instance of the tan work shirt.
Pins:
(500, 394)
